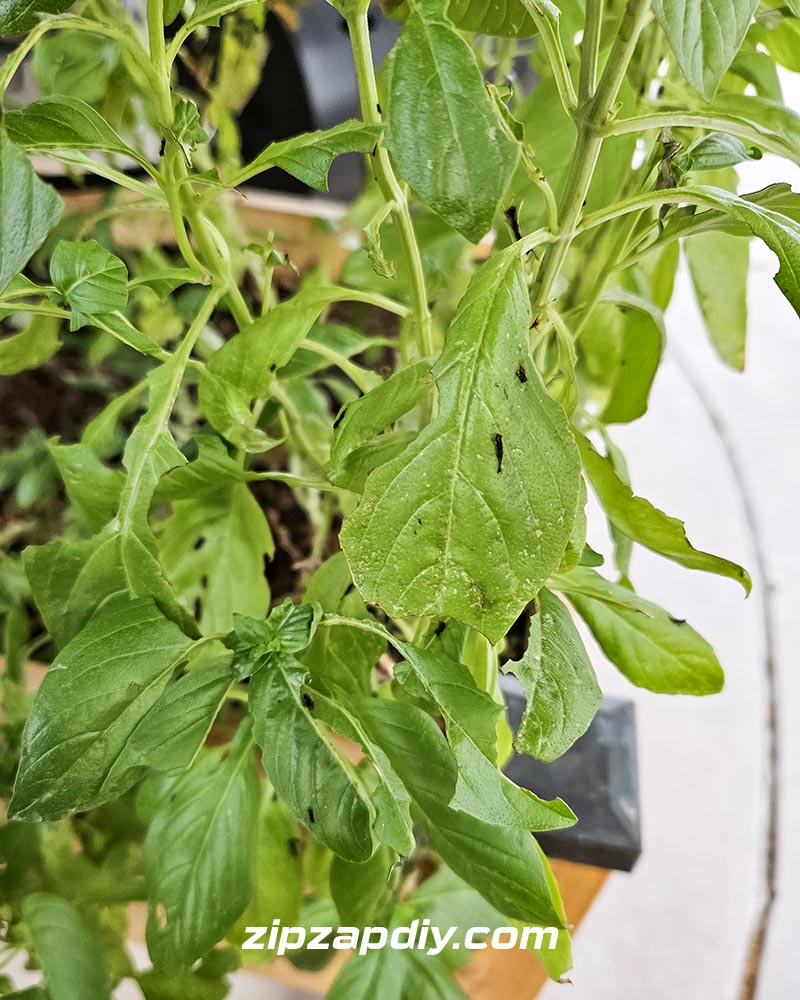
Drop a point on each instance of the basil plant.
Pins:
(278, 535)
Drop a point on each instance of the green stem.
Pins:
(388, 182)
(590, 50)
(713, 123)
(158, 59)
(651, 199)
(547, 26)
(590, 117)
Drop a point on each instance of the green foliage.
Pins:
(276, 547)
(448, 145)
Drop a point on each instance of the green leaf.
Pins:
(366, 417)
(75, 62)
(245, 367)
(470, 716)
(621, 348)
(75, 753)
(781, 40)
(62, 123)
(90, 279)
(558, 681)
(769, 117)
(198, 855)
(212, 550)
(69, 951)
(378, 973)
(309, 156)
(454, 526)
(172, 733)
(289, 629)
(278, 872)
(340, 659)
(391, 802)
(34, 345)
(715, 152)
(93, 489)
(719, 265)
(210, 11)
(648, 525)
(505, 18)
(705, 36)
(150, 452)
(504, 865)
(187, 130)
(652, 649)
(29, 208)
(308, 771)
(19, 16)
(446, 141)
(771, 214)
(363, 891)
(171, 10)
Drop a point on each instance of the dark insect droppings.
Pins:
(522, 375)
(308, 701)
(310, 812)
(513, 222)
(294, 846)
(162, 147)
(440, 628)
(498, 450)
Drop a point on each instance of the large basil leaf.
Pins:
(558, 681)
(29, 209)
(309, 772)
(653, 649)
(646, 524)
(70, 952)
(198, 855)
(75, 752)
(705, 35)
(469, 520)
(446, 141)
